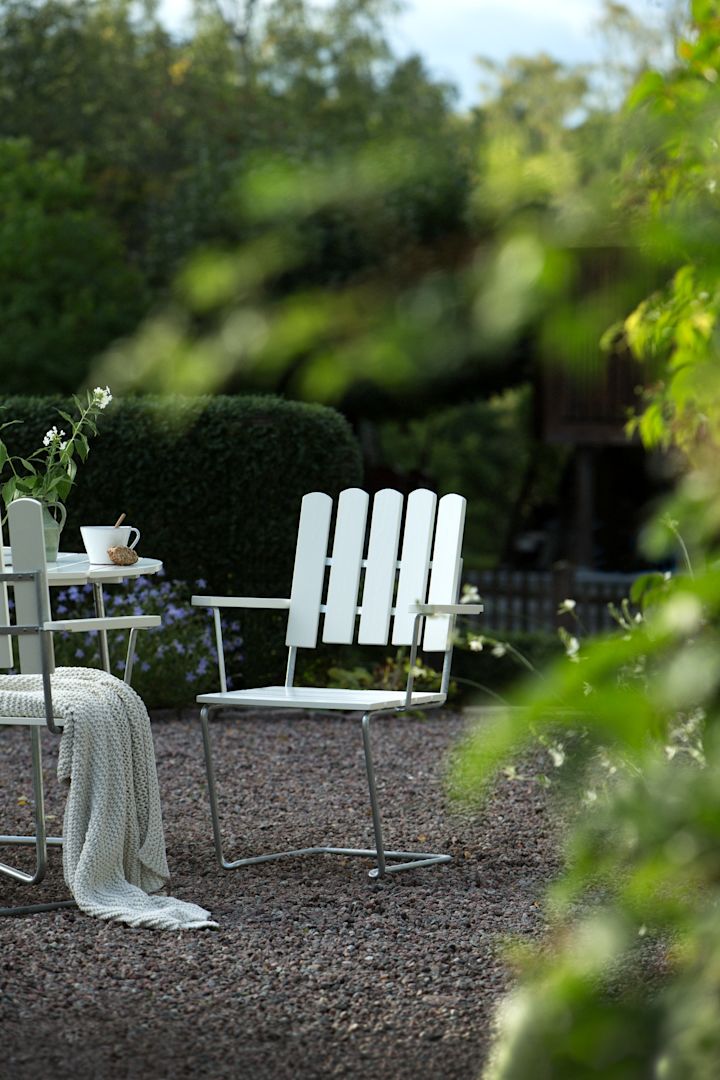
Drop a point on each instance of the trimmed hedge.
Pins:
(213, 483)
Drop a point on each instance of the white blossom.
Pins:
(476, 644)
(572, 646)
(54, 436)
(566, 605)
(499, 649)
(557, 754)
(102, 398)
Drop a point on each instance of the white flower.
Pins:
(572, 646)
(102, 398)
(566, 605)
(470, 595)
(499, 649)
(557, 754)
(476, 644)
(54, 436)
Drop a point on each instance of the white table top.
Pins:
(76, 569)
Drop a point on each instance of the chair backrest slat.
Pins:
(32, 605)
(309, 570)
(445, 577)
(347, 553)
(417, 539)
(379, 584)
(6, 649)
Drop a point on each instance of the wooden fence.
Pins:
(529, 599)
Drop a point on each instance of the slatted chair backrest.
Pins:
(32, 598)
(390, 585)
(6, 649)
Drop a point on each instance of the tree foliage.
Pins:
(64, 289)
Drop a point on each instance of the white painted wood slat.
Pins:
(6, 649)
(347, 553)
(28, 553)
(309, 570)
(445, 577)
(412, 583)
(381, 567)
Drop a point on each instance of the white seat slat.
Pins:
(445, 577)
(28, 548)
(347, 553)
(415, 559)
(381, 566)
(6, 649)
(313, 697)
(309, 570)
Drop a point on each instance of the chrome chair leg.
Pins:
(406, 860)
(41, 840)
(377, 826)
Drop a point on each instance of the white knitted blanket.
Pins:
(113, 841)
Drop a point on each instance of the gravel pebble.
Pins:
(315, 970)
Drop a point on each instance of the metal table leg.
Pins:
(102, 634)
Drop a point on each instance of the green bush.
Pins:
(486, 450)
(213, 484)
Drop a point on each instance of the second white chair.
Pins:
(402, 586)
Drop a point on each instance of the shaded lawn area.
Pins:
(315, 971)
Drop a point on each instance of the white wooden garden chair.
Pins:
(34, 629)
(396, 602)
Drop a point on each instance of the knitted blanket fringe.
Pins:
(113, 840)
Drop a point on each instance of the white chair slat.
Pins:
(6, 649)
(445, 577)
(309, 570)
(347, 553)
(28, 554)
(381, 565)
(412, 582)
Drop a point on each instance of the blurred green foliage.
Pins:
(627, 981)
(482, 449)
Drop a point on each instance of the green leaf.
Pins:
(8, 490)
(645, 586)
(83, 447)
(649, 86)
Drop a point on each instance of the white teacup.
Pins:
(98, 538)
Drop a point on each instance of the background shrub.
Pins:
(173, 662)
(213, 484)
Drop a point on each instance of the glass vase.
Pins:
(52, 527)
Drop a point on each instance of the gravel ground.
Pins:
(315, 971)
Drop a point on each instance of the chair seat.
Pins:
(312, 697)
(30, 721)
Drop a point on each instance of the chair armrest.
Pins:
(446, 609)
(241, 602)
(113, 622)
